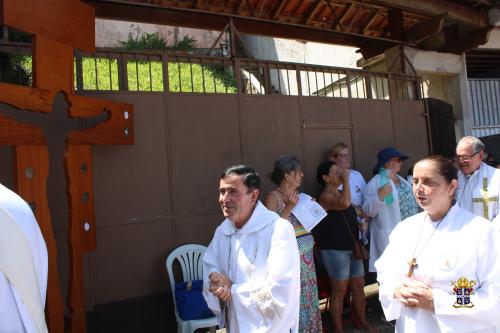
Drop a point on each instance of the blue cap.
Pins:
(385, 155)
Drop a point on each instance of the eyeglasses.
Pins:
(465, 158)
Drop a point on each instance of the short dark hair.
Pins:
(444, 166)
(323, 170)
(283, 165)
(248, 174)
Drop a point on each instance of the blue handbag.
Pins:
(190, 302)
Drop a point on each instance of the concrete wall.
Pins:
(444, 77)
(302, 52)
(109, 32)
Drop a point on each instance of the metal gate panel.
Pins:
(131, 183)
(325, 111)
(410, 131)
(130, 260)
(271, 128)
(372, 128)
(317, 142)
(204, 138)
(198, 229)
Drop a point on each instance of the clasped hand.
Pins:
(415, 293)
(220, 286)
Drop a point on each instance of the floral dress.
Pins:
(309, 315)
(407, 204)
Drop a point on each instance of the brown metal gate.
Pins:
(195, 115)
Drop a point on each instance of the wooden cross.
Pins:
(58, 27)
(412, 264)
(484, 199)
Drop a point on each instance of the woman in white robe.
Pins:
(440, 271)
(384, 215)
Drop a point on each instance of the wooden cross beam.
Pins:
(58, 27)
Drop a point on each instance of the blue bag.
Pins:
(190, 302)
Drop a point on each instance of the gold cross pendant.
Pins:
(412, 264)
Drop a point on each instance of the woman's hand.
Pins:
(292, 200)
(344, 176)
(415, 293)
(384, 191)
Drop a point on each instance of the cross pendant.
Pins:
(412, 264)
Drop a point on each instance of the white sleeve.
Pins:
(390, 277)
(371, 202)
(210, 265)
(486, 297)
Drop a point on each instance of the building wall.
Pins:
(109, 32)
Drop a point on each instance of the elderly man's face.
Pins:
(468, 161)
(236, 200)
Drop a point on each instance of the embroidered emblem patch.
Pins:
(463, 288)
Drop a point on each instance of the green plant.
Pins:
(149, 41)
(16, 69)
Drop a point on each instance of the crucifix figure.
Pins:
(485, 200)
(412, 265)
(58, 27)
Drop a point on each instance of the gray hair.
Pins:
(477, 145)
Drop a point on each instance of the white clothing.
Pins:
(471, 194)
(462, 245)
(23, 267)
(383, 217)
(357, 186)
(262, 260)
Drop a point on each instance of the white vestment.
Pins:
(383, 217)
(479, 192)
(262, 260)
(461, 246)
(23, 267)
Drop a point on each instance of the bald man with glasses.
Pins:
(478, 183)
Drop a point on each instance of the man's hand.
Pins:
(220, 286)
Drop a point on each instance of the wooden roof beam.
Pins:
(363, 29)
(396, 24)
(424, 29)
(217, 21)
(454, 11)
(278, 10)
(312, 13)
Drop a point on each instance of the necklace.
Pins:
(413, 262)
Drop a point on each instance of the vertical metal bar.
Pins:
(288, 82)
(79, 71)
(308, 82)
(166, 79)
(136, 71)
(150, 73)
(123, 73)
(224, 71)
(110, 75)
(348, 84)
(191, 73)
(332, 83)
(215, 82)
(202, 75)
(324, 83)
(316, 79)
(279, 79)
(179, 70)
(299, 80)
(96, 73)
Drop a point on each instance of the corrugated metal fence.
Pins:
(485, 105)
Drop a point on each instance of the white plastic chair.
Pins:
(190, 258)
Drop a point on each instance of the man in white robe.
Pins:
(478, 183)
(252, 266)
(23, 267)
(461, 246)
